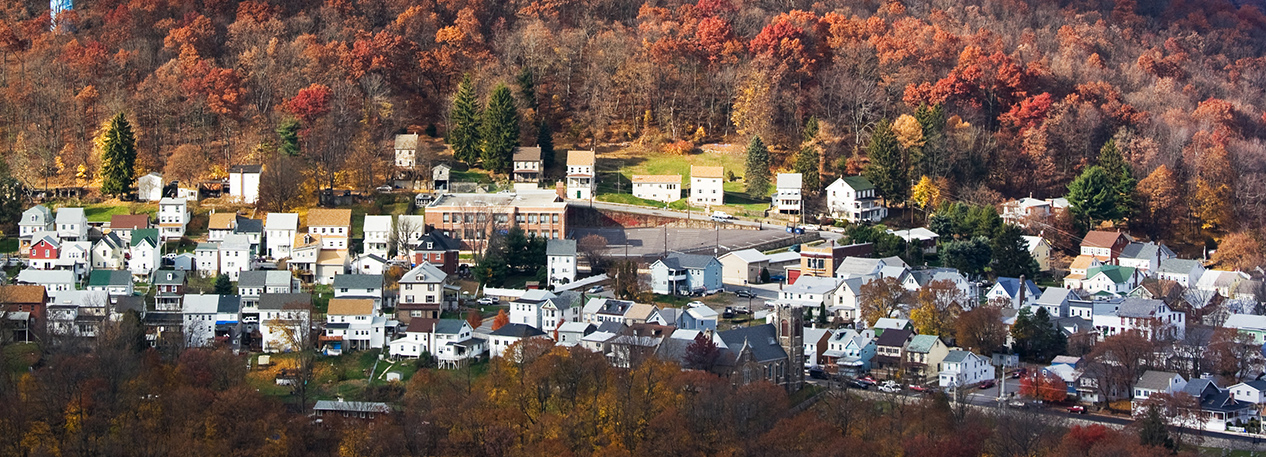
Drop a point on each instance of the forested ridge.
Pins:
(1018, 97)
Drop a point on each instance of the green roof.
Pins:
(858, 183)
(141, 234)
(1118, 274)
(922, 343)
(106, 278)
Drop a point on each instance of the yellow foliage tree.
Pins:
(1213, 204)
(752, 113)
(909, 132)
(926, 193)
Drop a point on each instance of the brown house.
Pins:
(438, 250)
(30, 299)
(822, 259)
(1101, 244)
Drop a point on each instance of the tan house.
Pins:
(333, 225)
(663, 188)
(706, 185)
(1040, 249)
(582, 175)
(924, 355)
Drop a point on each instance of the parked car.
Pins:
(817, 373)
(777, 278)
(486, 301)
(744, 293)
(383, 188)
(1017, 374)
(1018, 404)
(859, 384)
(729, 312)
(743, 309)
(695, 304)
(867, 378)
(987, 384)
(721, 215)
(918, 388)
(595, 289)
(1077, 409)
(890, 387)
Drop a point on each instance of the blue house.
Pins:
(850, 352)
(686, 274)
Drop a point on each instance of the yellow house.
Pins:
(1040, 249)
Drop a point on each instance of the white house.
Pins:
(810, 292)
(235, 255)
(1056, 301)
(370, 264)
(172, 218)
(1185, 272)
(582, 179)
(1151, 318)
(377, 231)
(35, 219)
(411, 228)
(422, 291)
(72, 224)
(145, 252)
(1221, 281)
(501, 339)
(1109, 279)
(52, 280)
(663, 188)
(330, 263)
(852, 198)
(253, 284)
(545, 310)
(1154, 382)
(352, 324)
(149, 188)
(922, 237)
(450, 341)
(280, 229)
(1145, 257)
(244, 183)
(220, 225)
(1009, 289)
(112, 282)
(964, 368)
(333, 225)
(200, 312)
(107, 254)
(847, 299)
(366, 286)
(283, 319)
(406, 150)
(706, 186)
(1250, 391)
(680, 273)
(75, 256)
(787, 193)
(560, 258)
(207, 259)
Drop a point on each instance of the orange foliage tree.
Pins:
(1045, 386)
(501, 320)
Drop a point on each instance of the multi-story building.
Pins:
(527, 164)
(235, 256)
(377, 231)
(439, 250)
(145, 251)
(787, 196)
(663, 188)
(424, 292)
(582, 175)
(207, 258)
(560, 258)
(72, 224)
(173, 218)
(220, 225)
(333, 225)
(280, 229)
(45, 250)
(706, 186)
(35, 219)
(471, 218)
(244, 183)
(171, 288)
(284, 321)
(353, 325)
(122, 225)
(825, 258)
(366, 286)
(852, 198)
(406, 151)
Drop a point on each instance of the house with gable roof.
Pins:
(1145, 257)
(353, 324)
(964, 368)
(171, 289)
(146, 256)
(707, 186)
(1009, 289)
(545, 310)
(207, 258)
(451, 341)
(582, 177)
(924, 357)
(816, 342)
(850, 352)
(854, 199)
(1153, 382)
(1151, 318)
(45, 250)
(424, 293)
(743, 267)
(1251, 325)
(35, 219)
(235, 255)
(360, 286)
(560, 261)
(72, 224)
(284, 318)
(1056, 301)
(501, 339)
(377, 235)
(1185, 272)
(109, 252)
(1110, 280)
(1104, 245)
(439, 250)
(787, 198)
(527, 164)
(122, 225)
(173, 217)
(685, 274)
(220, 225)
(662, 188)
(1041, 250)
(810, 292)
(280, 229)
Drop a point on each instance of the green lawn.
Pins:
(629, 199)
(470, 176)
(8, 245)
(103, 212)
(321, 295)
(737, 201)
(19, 357)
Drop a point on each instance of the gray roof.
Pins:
(246, 168)
(70, 215)
(235, 242)
(857, 266)
(43, 277)
(790, 180)
(208, 247)
(956, 356)
(1138, 307)
(407, 141)
(560, 247)
(527, 154)
(1178, 266)
(517, 331)
(679, 261)
(45, 215)
(1197, 387)
(922, 343)
(351, 406)
(248, 225)
(112, 239)
(1148, 250)
(1155, 380)
(438, 241)
(229, 304)
(260, 278)
(449, 326)
(812, 285)
(1054, 296)
(423, 273)
(282, 221)
(358, 282)
(894, 337)
(761, 339)
(282, 301)
(169, 277)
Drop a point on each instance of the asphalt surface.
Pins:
(644, 242)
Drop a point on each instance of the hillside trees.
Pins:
(118, 157)
(1092, 197)
(466, 130)
(887, 169)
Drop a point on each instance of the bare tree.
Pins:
(296, 333)
(593, 247)
(280, 184)
(1019, 433)
(403, 231)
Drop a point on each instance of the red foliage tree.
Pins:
(1045, 386)
(310, 103)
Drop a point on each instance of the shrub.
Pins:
(679, 147)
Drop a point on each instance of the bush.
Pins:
(679, 147)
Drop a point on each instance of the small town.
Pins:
(361, 228)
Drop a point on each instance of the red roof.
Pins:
(1101, 239)
(129, 221)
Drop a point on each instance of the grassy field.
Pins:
(19, 357)
(636, 161)
(102, 212)
(629, 199)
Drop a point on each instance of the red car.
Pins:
(867, 378)
(1077, 409)
(986, 384)
(918, 388)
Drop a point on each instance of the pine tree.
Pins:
(527, 88)
(465, 116)
(288, 136)
(931, 160)
(757, 175)
(886, 169)
(1114, 163)
(222, 285)
(810, 131)
(118, 157)
(500, 130)
(1152, 429)
(1011, 257)
(807, 166)
(545, 140)
(1092, 198)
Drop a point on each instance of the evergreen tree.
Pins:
(822, 317)
(807, 166)
(288, 136)
(764, 275)
(757, 175)
(118, 157)
(491, 269)
(545, 140)
(12, 196)
(969, 256)
(222, 286)
(886, 169)
(1011, 257)
(932, 157)
(500, 130)
(1092, 197)
(810, 131)
(1119, 171)
(1153, 431)
(527, 88)
(465, 116)
(516, 248)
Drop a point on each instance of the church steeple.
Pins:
(790, 330)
